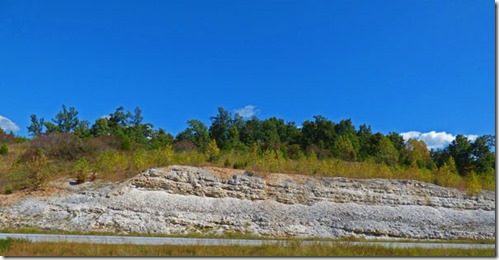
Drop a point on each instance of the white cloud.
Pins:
(247, 111)
(472, 137)
(7, 125)
(434, 140)
(410, 134)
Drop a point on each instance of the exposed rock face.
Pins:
(182, 199)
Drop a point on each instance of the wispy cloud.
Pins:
(7, 125)
(434, 140)
(247, 111)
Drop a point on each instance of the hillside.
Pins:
(211, 200)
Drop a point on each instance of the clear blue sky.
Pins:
(411, 65)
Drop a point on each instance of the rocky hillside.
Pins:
(183, 199)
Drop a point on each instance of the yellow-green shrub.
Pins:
(33, 173)
(473, 185)
(81, 169)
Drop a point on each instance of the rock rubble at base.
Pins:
(184, 199)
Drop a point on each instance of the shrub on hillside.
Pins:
(136, 164)
(184, 146)
(7, 138)
(111, 162)
(240, 165)
(212, 151)
(473, 185)
(81, 169)
(4, 150)
(32, 173)
(160, 157)
(66, 146)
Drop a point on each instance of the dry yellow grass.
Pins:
(24, 248)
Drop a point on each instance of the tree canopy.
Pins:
(319, 137)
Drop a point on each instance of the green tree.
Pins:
(460, 149)
(51, 128)
(197, 133)
(237, 122)
(384, 151)
(136, 118)
(397, 140)
(364, 136)
(233, 141)
(484, 158)
(343, 148)
(138, 132)
(250, 131)
(220, 125)
(66, 120)
(82, 129)
(416, 152)
(126, 143)
(292, 134)
(269, 134)
(161, 139)
(346, 129)
(36, 126)
(118, 121)
(320, 132)
(100, 127)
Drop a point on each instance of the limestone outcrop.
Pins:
(184, 199)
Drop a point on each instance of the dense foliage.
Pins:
(122, 142)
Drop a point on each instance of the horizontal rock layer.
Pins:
(308, 190)
(182, 199)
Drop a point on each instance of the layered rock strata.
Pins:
(183, 199)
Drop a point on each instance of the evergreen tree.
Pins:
(51, 128)
(484, 158)
(460, 149)
(269, 134)
(397, 140)
(219, 129)
(364, 135)
(36, 126)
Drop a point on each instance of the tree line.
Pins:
(321, 137)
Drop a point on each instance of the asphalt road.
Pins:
(216, 241)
